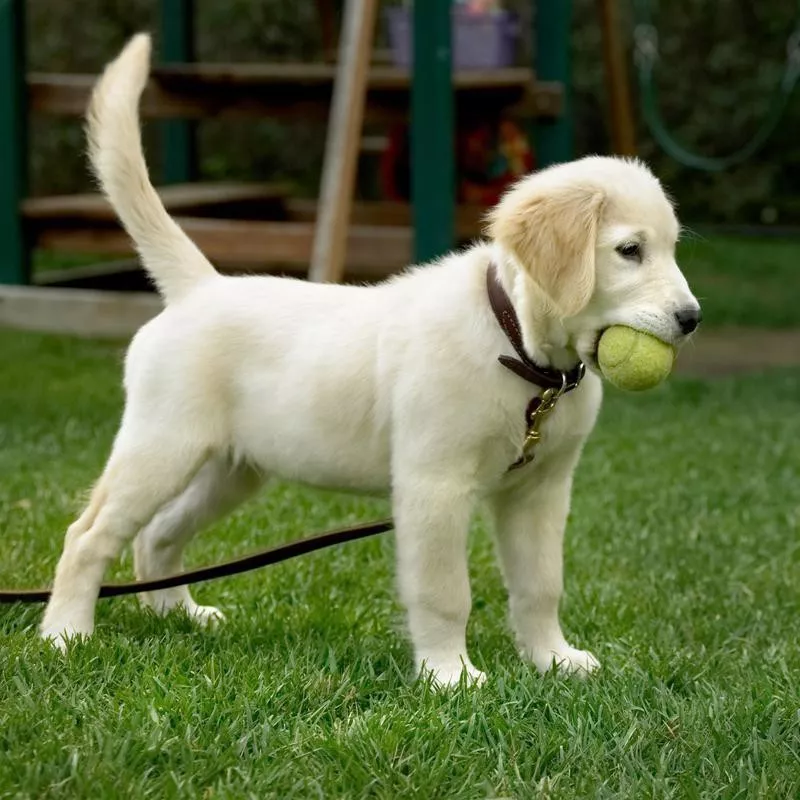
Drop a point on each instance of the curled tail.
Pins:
(115, 149)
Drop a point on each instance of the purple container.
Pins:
(480, 41)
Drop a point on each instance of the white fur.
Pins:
(392, 387)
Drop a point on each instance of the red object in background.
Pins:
(490, 157)
(396, 166)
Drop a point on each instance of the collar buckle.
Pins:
(538, 410)
(554, 383)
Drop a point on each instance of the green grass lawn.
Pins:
(683, 576)
(743, 281)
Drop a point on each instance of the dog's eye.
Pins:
(632, 250)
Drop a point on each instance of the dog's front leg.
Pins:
(432, 521)
(530, 527)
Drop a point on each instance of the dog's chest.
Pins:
(535, 441)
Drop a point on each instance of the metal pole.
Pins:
(177, 33)
(554, 138)
(433, 181)
(14, 254)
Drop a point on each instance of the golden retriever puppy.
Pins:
(393, 387)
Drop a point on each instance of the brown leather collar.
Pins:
(524, 366)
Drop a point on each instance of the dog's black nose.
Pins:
(688, 319)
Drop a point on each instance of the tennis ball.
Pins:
(634, 360)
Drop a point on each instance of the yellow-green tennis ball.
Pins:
(634, 360)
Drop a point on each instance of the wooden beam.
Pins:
(78, 312)
(295, 91)
(299, 75)
(343, 142)
(203, 200)
(618, 90)
(372, 252)
(191, 199)
(469, 218)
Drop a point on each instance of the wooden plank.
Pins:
(469, 218)
(618, 89)
(189, 199)
(372, 252)
(291, 75)
(342, 142)
(374, 145)
(79, 312)
(93, 208)
(292, 91)
(92, 276)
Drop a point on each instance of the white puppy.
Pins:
(391, 387)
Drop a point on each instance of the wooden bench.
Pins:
(295, 91)
(379, 241)
(238, 200)
(256, 226)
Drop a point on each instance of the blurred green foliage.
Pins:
(720, 64)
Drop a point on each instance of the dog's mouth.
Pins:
(589, 357)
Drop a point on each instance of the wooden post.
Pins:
(623, 133)
(14, 255)
(554, 138)
(343, 141)
(433, 179)
(177, 34)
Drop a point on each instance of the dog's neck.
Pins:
(545, 339)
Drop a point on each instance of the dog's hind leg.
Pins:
(217, 488)
(143, 473)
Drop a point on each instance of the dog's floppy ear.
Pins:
(552, 233)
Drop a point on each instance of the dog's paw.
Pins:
(567, 661)
(450, 675)
(59, 636)
(207, 616)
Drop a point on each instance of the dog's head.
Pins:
(596, 240)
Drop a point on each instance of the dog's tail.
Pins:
(115, 149)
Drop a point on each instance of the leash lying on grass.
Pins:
(263, 558)
(553, 382)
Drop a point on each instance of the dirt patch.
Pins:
(728, 351)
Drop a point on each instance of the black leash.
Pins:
(546, 378)
(264, 558)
